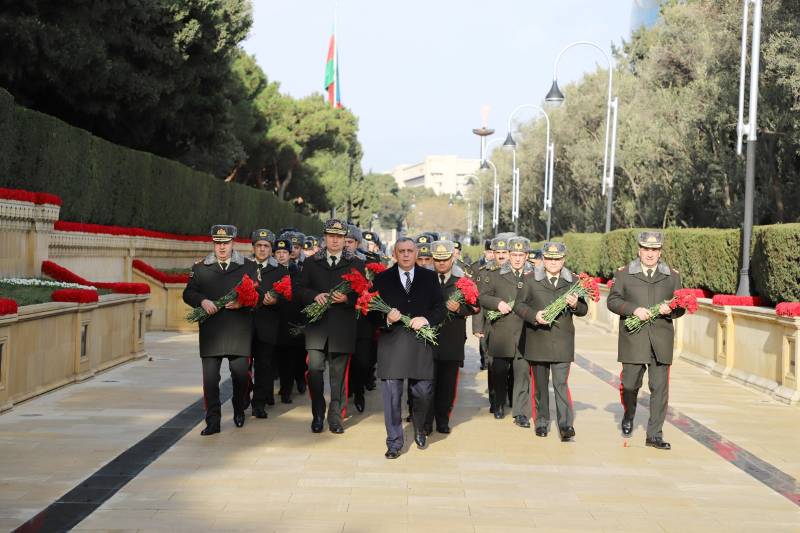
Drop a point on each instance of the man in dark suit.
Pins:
(415, 292)
(332, 338)
(550, 347)
(226, 332)
(449, 353)
(266, 319)
(638, 286)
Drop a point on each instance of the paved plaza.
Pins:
(734, 465)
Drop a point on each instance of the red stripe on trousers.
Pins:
(533, 392)
(621, 389)
(305, 375)
(346, 385)
(250, 386)
(455, 394)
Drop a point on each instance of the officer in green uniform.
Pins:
(535, 258)
(424, 256)
(226, 333)
(644, 283)
(550, 348)
(479, 325)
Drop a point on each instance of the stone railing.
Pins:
(80, 340)
(25, 230)
(166, 308)
(751, 345)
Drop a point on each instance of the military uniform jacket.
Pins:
(291, 315)
(503, 285)
(479, 322)
(400, 353)
(554, 343)
(266, 318)
(453, 330)
(632, 288)
(227, 332)
(337, 327)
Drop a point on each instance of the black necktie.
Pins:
(554, 280)
(650, 273)
(441, 280)
(333, 261)
(260, 267)
(407, 285)
(518, 274)
(224, 266)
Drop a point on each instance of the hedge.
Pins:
(104, 183)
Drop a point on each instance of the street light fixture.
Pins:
(510, 143)
(750, 131)
(556, 97)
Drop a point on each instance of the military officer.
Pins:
(535, 258)
(332, 338)
(479, 272)
(310, 246)
(424, 256)
(373, 247)
(352, 241)
(228, 332)
(361, 360)
(499, 294)
(449, 353)
(550, 347)
(298, 239)
(291, 351)
(646, 282)
(266, 321)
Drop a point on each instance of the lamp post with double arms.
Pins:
(555, 96)
(748, 130)
(548, 177)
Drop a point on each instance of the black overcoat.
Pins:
(337, 327)
(554, 343)
(506, 331)
(267, 318)
(453, 330)
(227, 332)
(400, 353)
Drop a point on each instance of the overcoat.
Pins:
(401, 354)
(453, 330)
(506, 331)
(266, 318)
(632, 288)
(227, 332)
(554, 343)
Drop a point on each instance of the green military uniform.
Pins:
(550, 349)
(651, 348)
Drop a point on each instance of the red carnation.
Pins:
(154, 273)
(362, 304)
(81, 296)
(732, 299)
(246, 292)
(788, 309)
(610, 283)
(468, 289)
(283, 288)
(356, 280)
(8, 306)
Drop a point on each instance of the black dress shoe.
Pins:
(522, 421)
(443, 429)
(238, 419)
(491, 408)
(210, 430)
(286, 398)
(658, 443)
(359, 402)
(499, 412)
(301, 387)
(391, 454)
(566, 433)
(421, 440)
(541, 432)
(370, 385)
(259, 412)
(336, 428)
(317, 425)
(427, 430)
(627, 427)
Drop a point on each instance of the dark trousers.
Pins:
(445, 387)
(337, 367)
(565, 414)
(500, 378)
(521, 389)
(360, 366)
(238, 366)
(263, 376)
(291, 366)
(392, 390)
(658, 381)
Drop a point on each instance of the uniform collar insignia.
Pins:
(635, 267)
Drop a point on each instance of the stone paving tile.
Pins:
(488, 475)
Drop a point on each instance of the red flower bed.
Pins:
(81, 296)
(59, 273)
(7, 306)
(732, 299)
(85, 227)
(788, 309)
(28, 196)
(697, 293)
(157, 274)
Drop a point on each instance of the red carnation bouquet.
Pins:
(282, 288)
(371, 301)
(684, 299)
(353, 281)
(788, 309)
(466, 292)
(245, 293)
(586, 287)
(373, 269)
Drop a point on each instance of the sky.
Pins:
(417, 73)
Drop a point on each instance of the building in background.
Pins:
(445, 174)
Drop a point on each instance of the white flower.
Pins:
(35, 282)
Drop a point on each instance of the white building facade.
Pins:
(445, 174)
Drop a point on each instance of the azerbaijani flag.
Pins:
(332, 74)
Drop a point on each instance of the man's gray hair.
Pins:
(403, 239)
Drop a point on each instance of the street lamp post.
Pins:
(548, 177)
(555, 96)
(496, 193)
(749, 130)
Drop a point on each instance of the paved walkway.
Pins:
(488, 475)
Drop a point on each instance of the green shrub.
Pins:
(775, 263)
(583, 252)
(104, 183)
